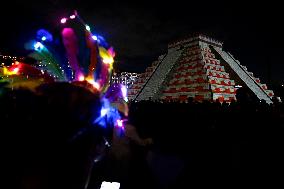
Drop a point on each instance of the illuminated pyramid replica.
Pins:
(196, 67)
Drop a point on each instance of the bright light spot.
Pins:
(124, 92)
(63, 20)
(88, 28)
(108, 60)
(38, 46)
(238, 86)
(81, 78)
(95, 84)
(282, 85)
(72, 16)
(17, 63)
(95, 37)
(15, 71)
(119, 123)
(110, 185)
(43, 38)
(104, 112)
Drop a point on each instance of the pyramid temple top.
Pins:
(195, 38)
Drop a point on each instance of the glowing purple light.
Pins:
(72, 16)
(119, 123)
(124, 91)
(63, 20)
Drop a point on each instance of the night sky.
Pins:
(140, 32)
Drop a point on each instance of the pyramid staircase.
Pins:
(191, 69)
(259, 89)
(143, 78)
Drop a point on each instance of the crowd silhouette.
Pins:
(215, 144)
(48, 140)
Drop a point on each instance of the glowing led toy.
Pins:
(88, 28)
(81, 78)
(95, 37)
(119, 123)
(44, 35)
(104, 112)
(63, 20)
(72, 16)
(38, 46)
(124, 92)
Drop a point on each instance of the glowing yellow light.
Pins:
(8, 72)
(107, 58)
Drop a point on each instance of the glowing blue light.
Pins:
(38, 46)
(104, 112)
(44, 35)
(95, 37)
(109, 115)
(88, 28)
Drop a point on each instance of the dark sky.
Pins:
(140, 32)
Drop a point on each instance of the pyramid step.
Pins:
(241, 71)
(156, 80)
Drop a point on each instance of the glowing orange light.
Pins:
(95, 84)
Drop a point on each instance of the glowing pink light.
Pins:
(72, 16)
(63, 20)
(81, 78)
(124, 91)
